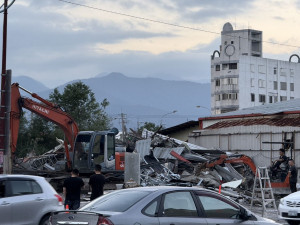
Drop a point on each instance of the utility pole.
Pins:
(4, 137)
(124, 131)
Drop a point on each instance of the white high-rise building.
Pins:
(241, 78)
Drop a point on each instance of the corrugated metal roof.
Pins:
(146, 134)
(164, 153)
(280, 121)
(273, 108)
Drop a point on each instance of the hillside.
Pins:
(147, 99)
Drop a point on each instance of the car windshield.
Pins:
(117, 201)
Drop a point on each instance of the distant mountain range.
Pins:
(141, 99)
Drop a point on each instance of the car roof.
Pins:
(20, 176)
(166, 188)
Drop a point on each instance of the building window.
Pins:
(230, 96)
(262, 98)
(224, 96)
(275, 84)
(252, 82)
(224, 66)
(225, 43)
(261, 83)
(275, 98)
(252, 97)
(232, 66)
(252, 68)
(291, 86)
(270, 99)
(275, 70)
(291, 98)
(283, 98)
(232, 42)
(218, 97)
(292, 72)
(218, 67)
(282, 71)
(261, 69)
(217, 83)
(283, 86)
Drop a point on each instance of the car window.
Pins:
(2, 189)
(36, 188)
(24, 187)
(179, 204)
(118, 201)
(150, 210)
(20, 187)
(217, 208)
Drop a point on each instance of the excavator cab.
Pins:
(94, 147)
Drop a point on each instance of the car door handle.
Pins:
(39, 199)
(5, 203)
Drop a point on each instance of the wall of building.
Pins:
(249, 140)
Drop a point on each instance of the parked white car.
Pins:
(27, 200)
(289, 208)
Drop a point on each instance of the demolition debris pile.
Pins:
(168, 161)
(165, 161)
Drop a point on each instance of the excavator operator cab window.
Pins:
(81, 152)
(110, 147)
(98, 149)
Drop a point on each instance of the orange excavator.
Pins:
(87, 148)
(47, 110)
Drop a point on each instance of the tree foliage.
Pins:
(79, 101)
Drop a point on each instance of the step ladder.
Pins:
(262, 186)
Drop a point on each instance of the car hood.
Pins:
(263, 220)
(293, 196)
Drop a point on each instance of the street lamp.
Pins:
(200, 106)
(161, 119)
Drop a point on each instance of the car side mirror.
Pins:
(244, 214)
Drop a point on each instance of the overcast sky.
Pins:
(54, 41)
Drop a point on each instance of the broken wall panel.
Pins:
(164, 153)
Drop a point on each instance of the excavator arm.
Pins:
(47, 110)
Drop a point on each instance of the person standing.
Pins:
(292, 175)
(97, 182)
(71, 190)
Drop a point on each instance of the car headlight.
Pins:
(282, 201)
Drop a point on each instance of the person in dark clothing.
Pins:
(97, 182)
(293, 174)
(71, 189)
(277, 163)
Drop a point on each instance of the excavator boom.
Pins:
(47, 110)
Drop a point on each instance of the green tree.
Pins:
(79, 101)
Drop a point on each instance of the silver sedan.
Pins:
(161, 205)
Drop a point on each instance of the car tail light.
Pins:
(104, 221)
(59, 199)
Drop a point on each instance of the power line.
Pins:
(166, 23)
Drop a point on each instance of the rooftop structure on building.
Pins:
(242, 78)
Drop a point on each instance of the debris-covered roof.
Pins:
(291, 106)
(293, 121)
